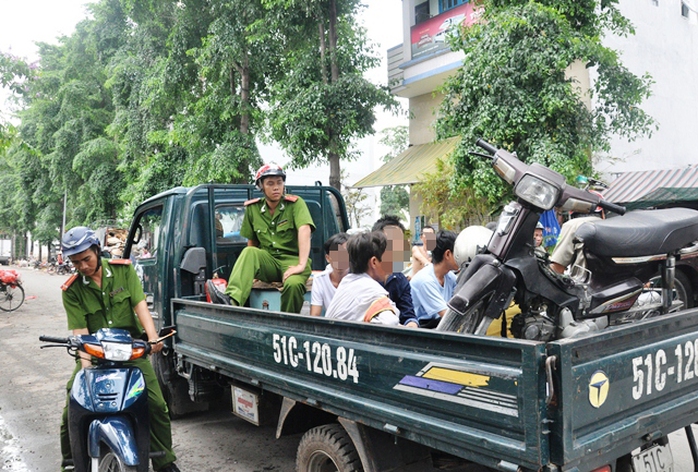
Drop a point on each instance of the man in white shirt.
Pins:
(360, 296)
(433, 286)
(325, 284)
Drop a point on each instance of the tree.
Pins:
(356, 202)
(323, 102)
(513, 88)
(395, 199)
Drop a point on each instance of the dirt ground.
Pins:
(32, 394)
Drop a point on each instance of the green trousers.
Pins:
(255, 263)
(160, 431)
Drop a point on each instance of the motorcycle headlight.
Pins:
(537, 192)
(117, 351)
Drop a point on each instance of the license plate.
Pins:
(654, 459)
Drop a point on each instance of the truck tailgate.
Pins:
(469, 396)
(623, 386)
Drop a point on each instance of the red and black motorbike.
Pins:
(624, 254)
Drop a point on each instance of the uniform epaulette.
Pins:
(290, 198)
(69, 282)
(250, 202)
(119, 261)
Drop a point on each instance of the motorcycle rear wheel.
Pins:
(11, 297)
(467, 323)
(110, 462)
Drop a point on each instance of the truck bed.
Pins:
(490, 400)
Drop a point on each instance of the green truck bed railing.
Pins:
(473, 397)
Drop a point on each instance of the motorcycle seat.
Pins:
(640, 233)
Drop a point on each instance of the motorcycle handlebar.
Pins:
(486, 146)
(620, 210)
(51, 339)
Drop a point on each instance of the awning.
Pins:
(410, 166)
(653, 188)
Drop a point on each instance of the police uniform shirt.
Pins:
(111, 306)
(277, 233)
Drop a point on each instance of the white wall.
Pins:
(664, 46)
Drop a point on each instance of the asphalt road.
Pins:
(32, 394)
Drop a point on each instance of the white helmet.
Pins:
(470, 242)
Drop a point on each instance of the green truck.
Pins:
(374, 398)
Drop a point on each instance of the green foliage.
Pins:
(323, 102)
(514, 90)
(148, 95)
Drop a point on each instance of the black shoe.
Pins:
(171, 467)
(216, 295)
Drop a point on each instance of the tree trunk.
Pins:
(323, 49)
(245, 96)
(333, 155)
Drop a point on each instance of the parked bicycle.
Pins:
(11, 291)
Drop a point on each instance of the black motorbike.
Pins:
(624, 256)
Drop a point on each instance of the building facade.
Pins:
(665, 46)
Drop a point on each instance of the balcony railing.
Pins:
(395, 74)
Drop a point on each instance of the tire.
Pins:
(11, 297)
(463, 324)
(174, 388)
(327, 448)
(51, 270)
(684, 289)
(110, 462)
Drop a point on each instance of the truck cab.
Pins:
(184, 236)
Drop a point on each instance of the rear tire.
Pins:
(327, 448)
(684, 289)
(110, 462)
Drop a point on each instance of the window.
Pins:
(445, 5)
(145, 243)
(421, 13)
(684, 10)
(228, 224)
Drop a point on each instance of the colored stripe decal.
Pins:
(428, 384)
(457, 377)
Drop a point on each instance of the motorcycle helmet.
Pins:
(268, 170)
(77, 240)
(539, 225)
(470, 242)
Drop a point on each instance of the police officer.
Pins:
(106, 294)
(278, 229)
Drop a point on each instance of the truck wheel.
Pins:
(174, 388)
(327, 448)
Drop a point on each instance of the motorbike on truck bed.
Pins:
(375, 398)
(623, 254)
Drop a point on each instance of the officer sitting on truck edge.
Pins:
(106, 294)
(278, 229)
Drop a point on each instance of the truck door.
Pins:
(146, 249)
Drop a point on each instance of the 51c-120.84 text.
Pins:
(319, 358)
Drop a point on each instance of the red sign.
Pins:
(430, 36)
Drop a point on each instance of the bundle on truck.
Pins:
(377, 398)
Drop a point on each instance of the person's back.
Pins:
(360, 296)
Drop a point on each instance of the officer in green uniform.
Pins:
(278, 229)
(106, 294)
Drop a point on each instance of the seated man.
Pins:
(360, 295)
(396, 284)
(433, 286)
(278, 229)
(325, 284)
